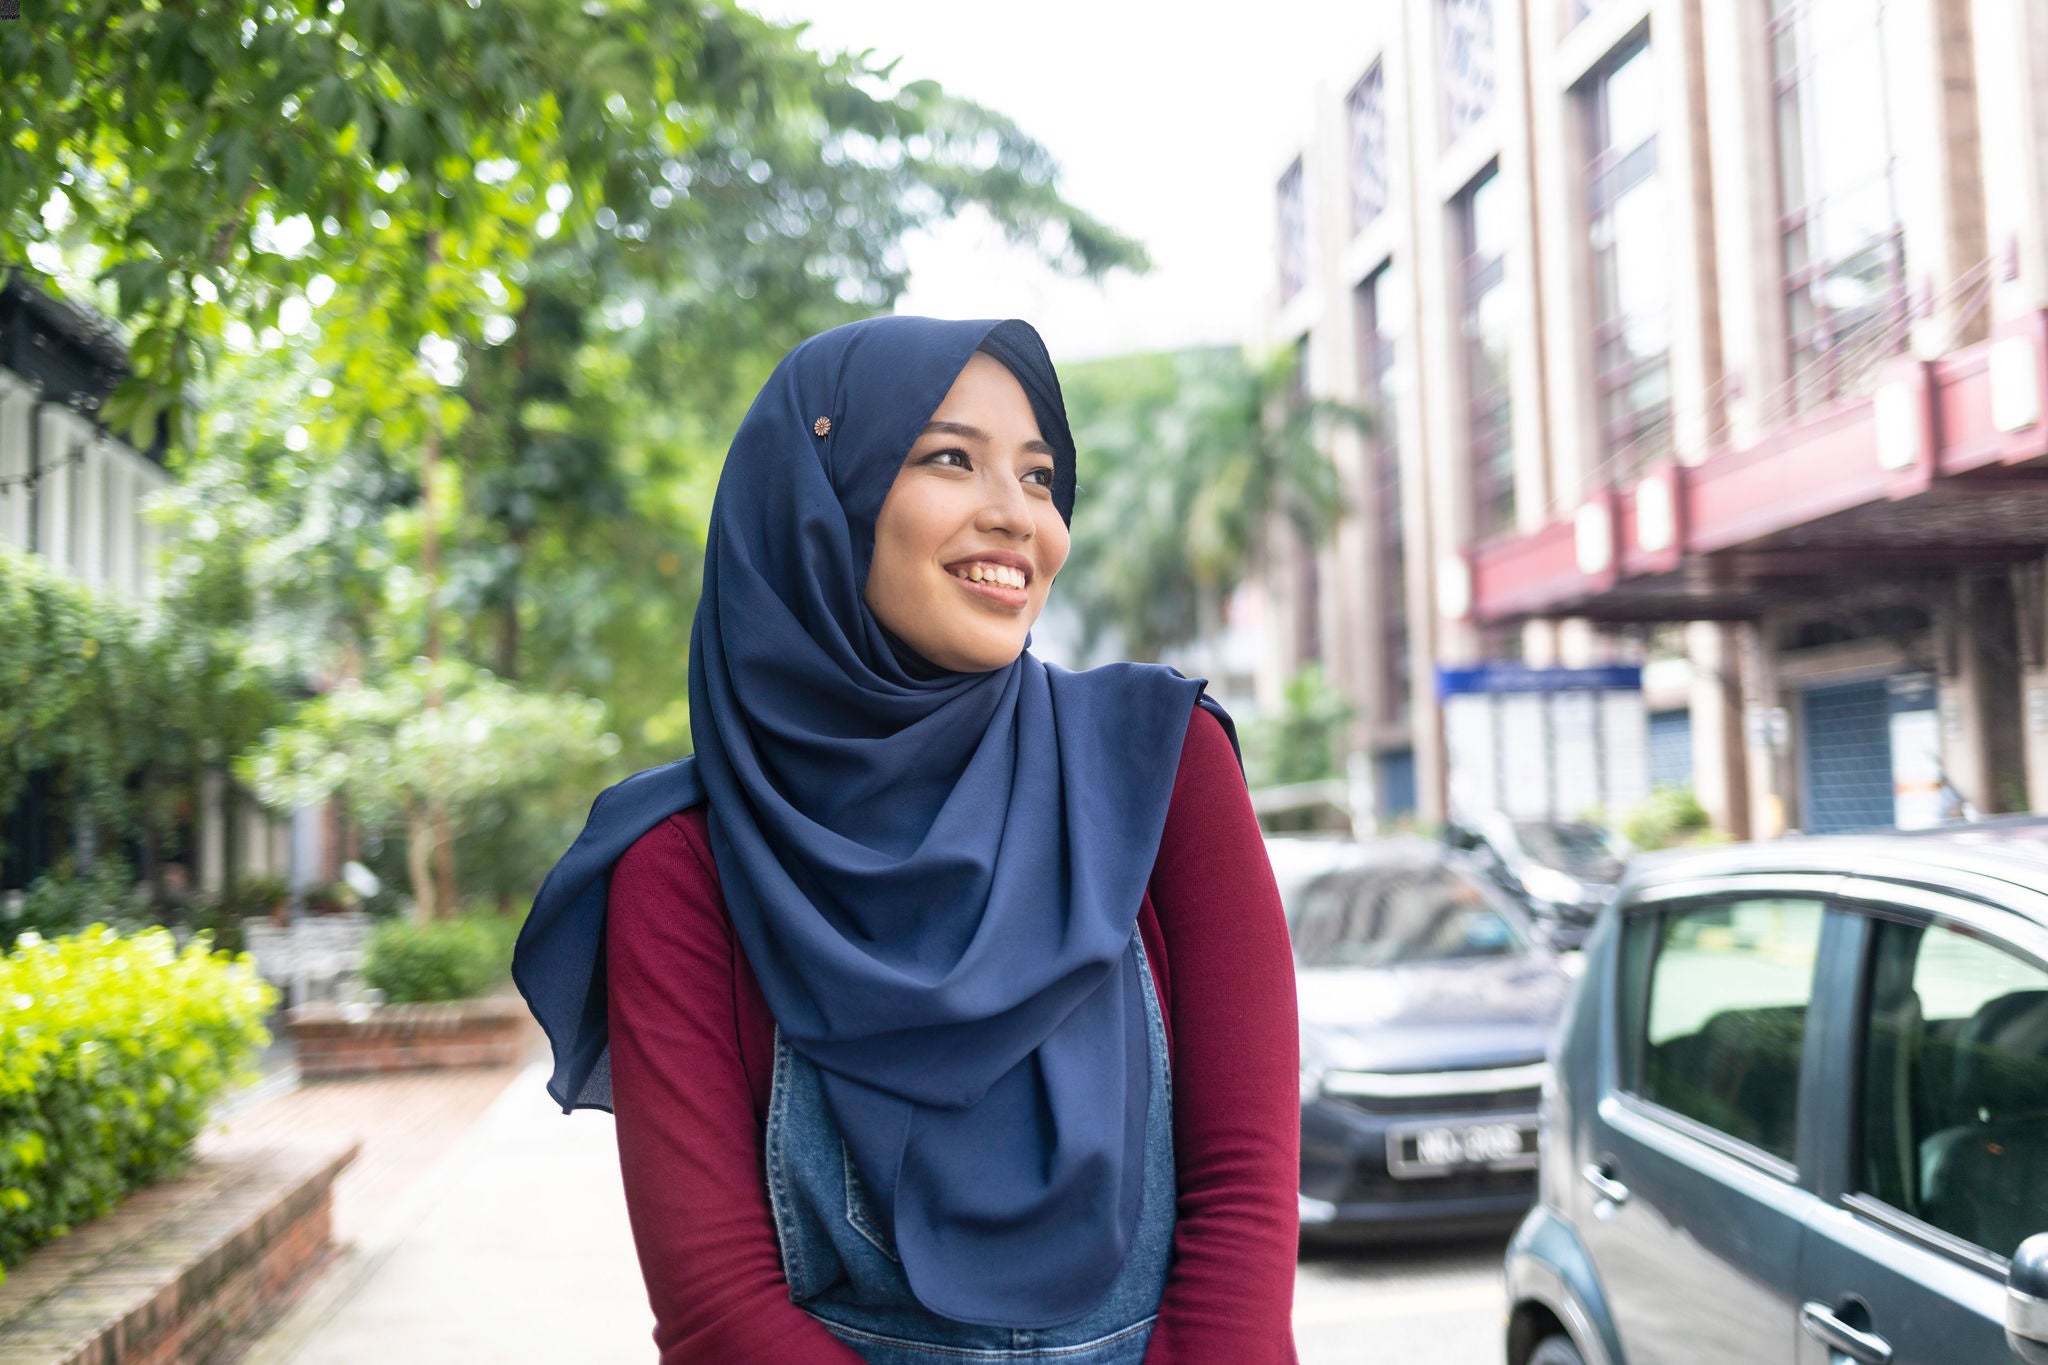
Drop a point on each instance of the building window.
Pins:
(1845, 311)
(1465, 30)
(1293, 210)
(1308, 596)
(1486, 325)
(1366, 110)
(1628, 227)
(1380, 330)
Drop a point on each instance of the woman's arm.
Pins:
(1236, 1088)
(690, 1144)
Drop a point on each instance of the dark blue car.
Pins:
(1799, 1113)
(1427, 1005)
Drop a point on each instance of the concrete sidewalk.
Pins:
(514, 1249)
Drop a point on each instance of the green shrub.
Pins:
(112, 1049)
(451, 959)
(1668, 817)
(61, 902)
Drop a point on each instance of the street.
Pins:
(1418, 1305)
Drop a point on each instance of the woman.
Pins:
(943, 997)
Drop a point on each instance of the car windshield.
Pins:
(1581, 850)
(1389, 916)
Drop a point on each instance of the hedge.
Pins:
(450, 959)
(112, 1049)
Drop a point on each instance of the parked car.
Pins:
(1799, 1113)
(1427, 1004)
(1563, 871)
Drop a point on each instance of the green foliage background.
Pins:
(558, 244)
(123, 706)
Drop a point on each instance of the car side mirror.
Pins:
(2026, 1301)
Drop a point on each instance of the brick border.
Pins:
(357, 1040)
(170, 1275)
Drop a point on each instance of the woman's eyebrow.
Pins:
(973, 433)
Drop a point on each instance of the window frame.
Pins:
(1868, 902)
(1291, 214)
(1369, 164)
(1379, 350)
(1637, 435)
(1467, 101)
(1489, 413)
(1630, 1006)
(1815, 353)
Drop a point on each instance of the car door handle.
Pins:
(1823, 1326)
(1604, 1184)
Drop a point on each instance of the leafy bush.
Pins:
(62, 903)
(1305, 741)
(1668, 817)
(451, 959)
(111, 1050)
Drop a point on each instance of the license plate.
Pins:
(1443, 1148)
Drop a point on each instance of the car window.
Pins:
(1581, 850)
(1387, 916)
(1954, 1110)
(1716, 1028)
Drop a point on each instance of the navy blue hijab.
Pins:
(935, 876)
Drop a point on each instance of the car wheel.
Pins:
(1556, 1351)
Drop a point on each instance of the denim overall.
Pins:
(843, 1269)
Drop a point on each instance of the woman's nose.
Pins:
(1004, 507)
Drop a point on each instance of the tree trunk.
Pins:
(418, 859)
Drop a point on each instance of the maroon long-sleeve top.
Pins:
(692, 1054)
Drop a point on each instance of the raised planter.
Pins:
(357, 1040)
(173, 1273)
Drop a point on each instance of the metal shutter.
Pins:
(1397, 784)
(1846, 742)
(1671, 749)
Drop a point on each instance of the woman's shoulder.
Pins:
(1207, 755)
(675, 852)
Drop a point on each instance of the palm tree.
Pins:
(1189, 462)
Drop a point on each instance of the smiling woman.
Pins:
(943, 997)
(969, 540)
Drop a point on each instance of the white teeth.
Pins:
(1001, 574)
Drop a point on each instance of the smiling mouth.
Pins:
(998, 594)
(991, 572)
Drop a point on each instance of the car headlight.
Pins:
(1548, 884)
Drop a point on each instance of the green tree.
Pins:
(1305, 741)
(395, 758)
(1188, 463)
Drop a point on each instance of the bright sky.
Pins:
(1170, 122)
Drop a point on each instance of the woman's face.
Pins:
(968, 540)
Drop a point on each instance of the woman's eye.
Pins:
(1041, 477)
(956, 458)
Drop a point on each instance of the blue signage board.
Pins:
(1492, 679)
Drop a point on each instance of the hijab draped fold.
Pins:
(935, 876)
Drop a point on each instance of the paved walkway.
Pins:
(497, 1243)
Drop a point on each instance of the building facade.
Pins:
(1702, 334)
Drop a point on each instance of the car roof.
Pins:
(1304, 856)
(2003, 859)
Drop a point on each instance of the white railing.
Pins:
(317, 958)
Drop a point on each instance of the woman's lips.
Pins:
(1015, 599)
